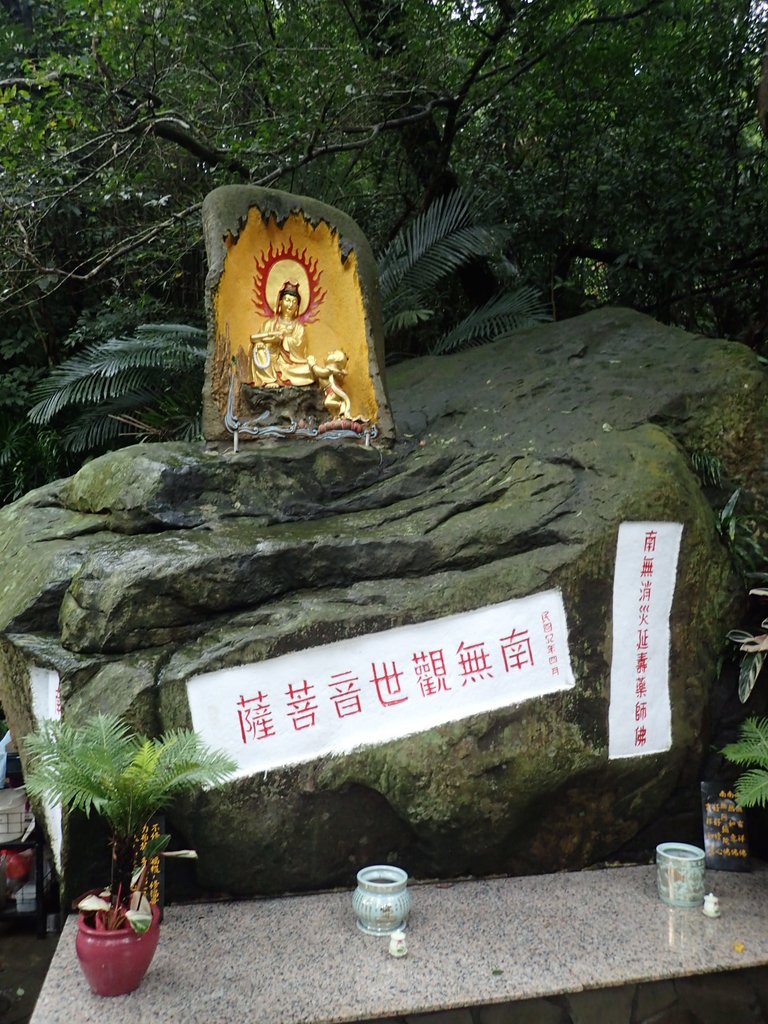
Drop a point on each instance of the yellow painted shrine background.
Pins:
(340, 322)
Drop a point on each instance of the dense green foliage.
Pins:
(618, 141)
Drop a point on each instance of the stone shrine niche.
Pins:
(295, 341)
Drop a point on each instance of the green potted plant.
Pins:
(102, 767)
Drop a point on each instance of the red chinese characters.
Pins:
(474, 663)
(429, 669)
(387, 681)
(366, 690)
(516, 650)
(549, 640)
(255, 717)
(642, 637)
(302, 705)
(345, 694)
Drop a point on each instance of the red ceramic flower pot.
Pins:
(114, 962)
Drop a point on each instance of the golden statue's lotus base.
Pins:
(288, 413)
(284, 405)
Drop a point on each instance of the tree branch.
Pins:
(180, 133)
(32, 83)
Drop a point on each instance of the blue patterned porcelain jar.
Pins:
(381, 901)
(680, 874)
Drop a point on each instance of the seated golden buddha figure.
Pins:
(279, 351)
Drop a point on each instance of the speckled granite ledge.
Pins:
(301, 959)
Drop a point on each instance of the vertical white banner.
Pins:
(46, 704)
(639, 717)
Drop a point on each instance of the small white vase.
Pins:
(381, 901)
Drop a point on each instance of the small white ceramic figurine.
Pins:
(397, 946)
(711, 905)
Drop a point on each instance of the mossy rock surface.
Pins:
(516, 463)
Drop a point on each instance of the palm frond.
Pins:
(505, 312)
(420, 275)
(113, 389)
(118, 366)
(185, 762)
(96, 428)
(403, 319)
(447, 214)
(435, 244)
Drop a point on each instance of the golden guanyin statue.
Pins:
(279, 351)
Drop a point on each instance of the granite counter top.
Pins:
(301, 958)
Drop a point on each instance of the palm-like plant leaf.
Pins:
(101, 766)
(96, 428)
(751, 748)
(417, 277)
(503, 313)
(436, 244)
(406, 318)
(442, 218)
(118, 366)
(752, 788)
(79, 766)
(124, 379)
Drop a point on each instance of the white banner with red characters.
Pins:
(46, 703)
(382, 686)
(639, 718)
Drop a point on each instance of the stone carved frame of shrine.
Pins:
(256, 239)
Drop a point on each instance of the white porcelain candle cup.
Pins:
(381, 900)
(680, 874)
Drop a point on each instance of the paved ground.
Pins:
(24, 962)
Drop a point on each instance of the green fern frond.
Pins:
(113, 388)
(505, 312)
(752, 744)
(434, 245)
(102, 766)
(752, 788)
(444, 257)
(181, 763)
(78, 766)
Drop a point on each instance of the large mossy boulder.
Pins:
(515, 465)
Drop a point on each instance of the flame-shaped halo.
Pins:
(286, 263)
